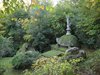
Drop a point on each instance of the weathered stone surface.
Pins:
(74, 52)
(72, 49)
(67, 41)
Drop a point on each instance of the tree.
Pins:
(12, 15)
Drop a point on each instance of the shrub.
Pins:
(92, 63)
(41, 43)
(50, 66)
(6, 47)
(24, 60)
(2, 70)
(38, 38)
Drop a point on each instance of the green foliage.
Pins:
(92, 58)
(6, 62)
(14, 30)
(40, 23)
(20, 14)
(13, 26)
(50, 66)
(12, 5)
(38, 30)
(84, 17)
(23, 48)
(58, 19)
(92, 62)
(24, 60)
(88, 26)
(40, 43)
(6, 47)
(1, 71)
(14, 11)
(39, 40)
(2, 29)
(38, 26)
(59, 69)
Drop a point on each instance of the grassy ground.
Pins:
(55, 47)
(6, 63)
(52, 53)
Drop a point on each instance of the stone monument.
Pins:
(68, 29)
(67, 40)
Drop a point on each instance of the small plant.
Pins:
(6, 47)
(24, 60)
(92, 63)
(2, 70)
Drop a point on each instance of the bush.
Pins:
(2, 70)
(6, 47)
(24, 60)
(92, 63)
(41, 43)
(50, 66)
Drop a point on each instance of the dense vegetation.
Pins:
(28, 35)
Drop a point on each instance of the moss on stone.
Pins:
(68, 40)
